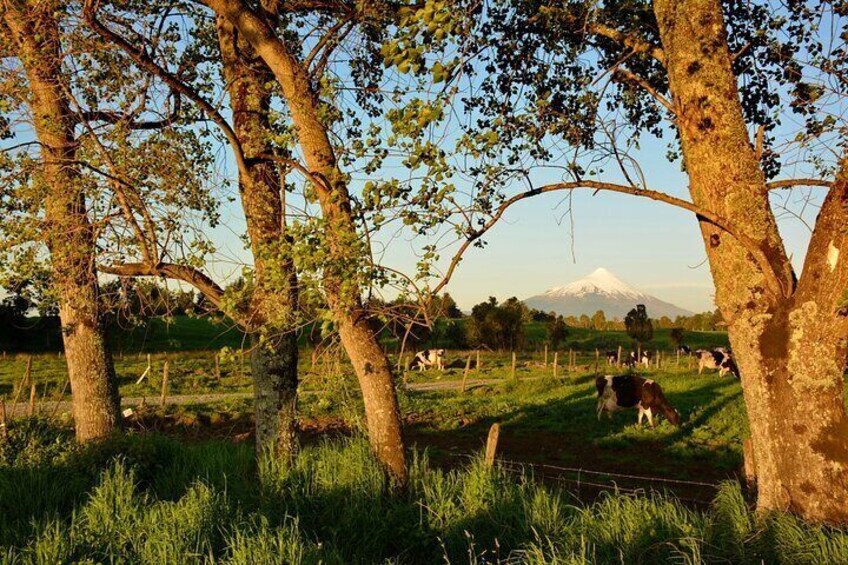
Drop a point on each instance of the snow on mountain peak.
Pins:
(599, 281)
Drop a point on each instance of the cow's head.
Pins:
(439, 352)
(672, 415)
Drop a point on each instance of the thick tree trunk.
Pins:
(372, 368)
(69, 235)
(274, 352)
(789, 347)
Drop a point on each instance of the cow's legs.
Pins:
(650, 418)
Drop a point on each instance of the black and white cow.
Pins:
(646, 359)
(630, 391)
(719, 358)
(429, 358)
(612, 357)
(684, 349)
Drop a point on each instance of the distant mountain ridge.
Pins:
(601, 290)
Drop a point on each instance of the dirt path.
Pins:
(50, 407)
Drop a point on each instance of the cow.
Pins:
(631, 391)
(718, 358)
(612, 357)
(646, 359)
(684, 349)
(427, 359)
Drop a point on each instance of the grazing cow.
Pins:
(646, 359)
(684, 349)
(628, 359)
(631, 391)
(428, 358)
(718, 358)
(612, 357)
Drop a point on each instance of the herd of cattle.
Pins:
(624, 391)
(718, 358)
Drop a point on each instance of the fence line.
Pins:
(519, 467)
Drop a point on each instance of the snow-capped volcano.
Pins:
(601, 290)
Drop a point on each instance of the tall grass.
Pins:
(150, 499)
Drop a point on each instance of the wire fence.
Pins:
(580, 477)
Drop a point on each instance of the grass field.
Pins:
(151, 499)
(568, 488)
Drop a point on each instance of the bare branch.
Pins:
(753, 247)
(791, 183)
(197, 279)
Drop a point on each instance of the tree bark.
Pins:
(68, 233)
(790, 346)
(274, 351)
(343, 294)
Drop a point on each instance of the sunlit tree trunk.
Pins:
(343, 294)
(789, 345)
(68, 233)
(274, 357)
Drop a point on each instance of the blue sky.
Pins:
(653, 246)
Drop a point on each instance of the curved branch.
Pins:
(197, 279)
(771, 277)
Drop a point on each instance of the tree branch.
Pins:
(791, 183)
(197, 279)
(145, 62)
(772, 280)
(647, 87)
(127, 118)
(637, 44)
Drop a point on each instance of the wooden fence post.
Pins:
(492, 444)
(570, 359)
(217, 367)
(164, 397)
(556, 362)
(597, 361)
(32, 397)
(3, 418)
(465, 374)
(28, 373)
(546, 355)
(618, 357)
(678, 357)
(512, 372)
(479, 366)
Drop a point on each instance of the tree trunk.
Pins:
(68, 233)
(789, 347)
(274, 352)
(340, 274)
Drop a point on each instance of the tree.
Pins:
(676, 336)
(638, 325)
(599, 320)
(267, 305)
(557, 331)
(497, 326)
(32, 32)
(708, 70)
(345, 267)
